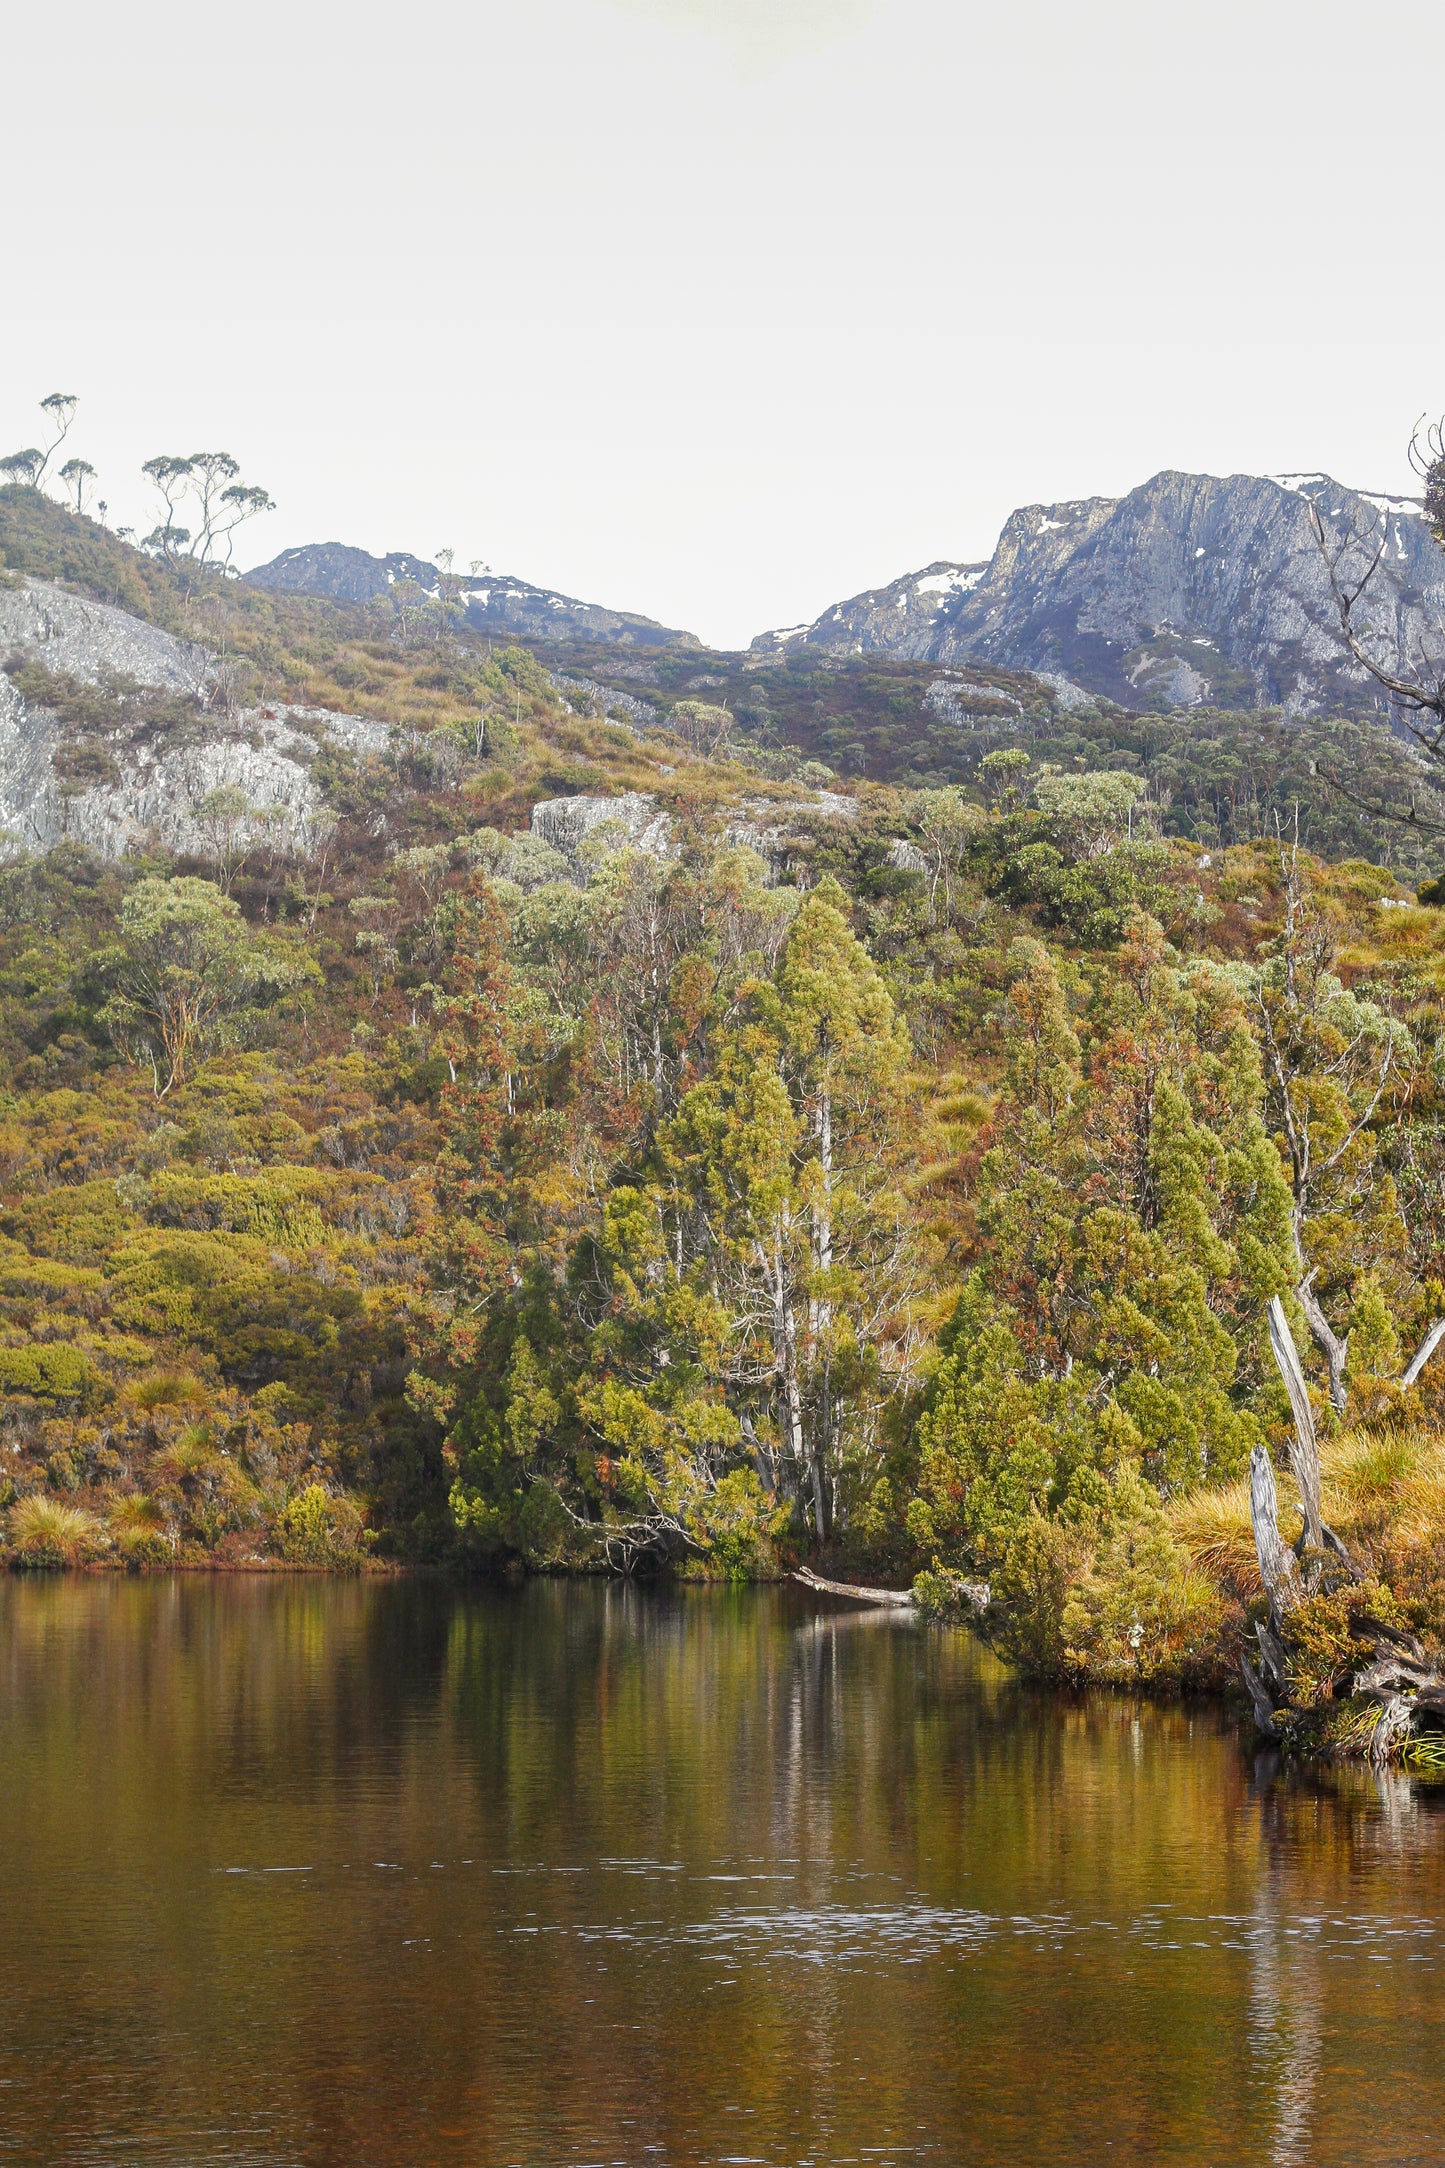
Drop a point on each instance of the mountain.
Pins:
(342, 574)
(497, 604)
(1191, 591)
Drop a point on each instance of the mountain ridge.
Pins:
(1190, 590)
(496, 603)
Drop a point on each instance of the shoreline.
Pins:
(1305, 1738)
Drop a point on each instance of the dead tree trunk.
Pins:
(1304, 1454)
(972, 1595)
(1336, 1351)
(1426, 1349)
(1268, 1684)
(1276, 1560)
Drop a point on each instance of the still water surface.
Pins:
(313, 1872)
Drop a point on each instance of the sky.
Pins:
(719, 310)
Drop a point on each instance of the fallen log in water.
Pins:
(972, 1595)
(901, 1598)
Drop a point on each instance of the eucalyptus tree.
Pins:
(23, 467)
(184, 971)
(219, 502)
(78, 475)
(1331, 1059)
(29, 467)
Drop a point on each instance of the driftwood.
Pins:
(901, 1599)
(973, 1595)
(1404, 1678)
(1263, 1702)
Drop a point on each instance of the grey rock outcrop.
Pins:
(579, 830)
(156, 787)
(618, 706)
(774, 833)
(1191, 590)
(76, 637)
(633, 821)
(505, 607)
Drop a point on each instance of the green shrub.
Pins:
(315, 1529)
(141, 1546)
(738, 1525)
(52, 1372)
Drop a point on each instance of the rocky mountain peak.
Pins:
(1193, 590)
(342, 574)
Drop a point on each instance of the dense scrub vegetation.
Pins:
(1211, 776)
(897, 1181)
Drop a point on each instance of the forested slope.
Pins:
(895, 1177)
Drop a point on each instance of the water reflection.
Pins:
(309, 1872)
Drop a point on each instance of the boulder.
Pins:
(633, 821)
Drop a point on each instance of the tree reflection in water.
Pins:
(316, 1871)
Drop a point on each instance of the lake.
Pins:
(311, 1871)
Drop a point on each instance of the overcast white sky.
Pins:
(720, 309)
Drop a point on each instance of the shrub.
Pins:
(64, 1469)
(738, 1525)
(52, 1372)
(143, 1544)
(45, 1534)
(138, 1524)
(315, 1529)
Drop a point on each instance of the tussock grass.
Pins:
(136, 1509)
(1390, 1482)
(1214, 1528)
(43, 1532)
(1376, 1486)
(166, 1389)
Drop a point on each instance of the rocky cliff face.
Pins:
(507, 608)
(150, 784)
(1192, 590)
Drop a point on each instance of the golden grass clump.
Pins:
(136, 1509)
(1214, 1528)
(45, 1533)
(1389, 1483)
(1381, 1490)
(165, 1389)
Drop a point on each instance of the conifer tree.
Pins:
(1133, 1220)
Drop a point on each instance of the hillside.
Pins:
(1216, 775)
(242, 698)
(1192, 591)
(567, 1125)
